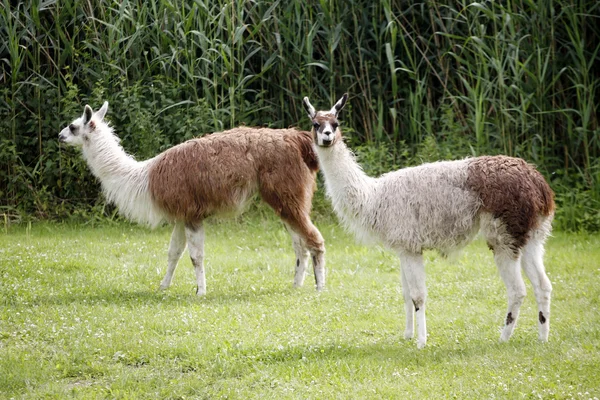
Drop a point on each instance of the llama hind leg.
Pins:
(176, 247)
(509, 266)
(413, 270)
(292, 204)
(302, 254)
(315, 244)
(316, 247)
(533, 265)
(195, 239)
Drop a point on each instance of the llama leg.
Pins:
(315, 244)
(508, 265)
(414, 276)
(408, 308)
(316, 247)
(293, 206)
(195, 238)
(533, 265)
(313, 241)
(302, 254)
(176, 247)
(318, 257)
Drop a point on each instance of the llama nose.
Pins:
(61, 137)
(327, 133)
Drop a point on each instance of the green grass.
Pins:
(80, 317)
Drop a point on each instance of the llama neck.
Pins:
(347, 185)
(108, 160)
(124, 180)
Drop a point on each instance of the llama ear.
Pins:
(87, 114)
(102, 111)
(339, 105)
(309, 108)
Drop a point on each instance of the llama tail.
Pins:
(546, 196)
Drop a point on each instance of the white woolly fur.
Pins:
(424, 207)
(124, 180)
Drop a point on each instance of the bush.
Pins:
(431, 80)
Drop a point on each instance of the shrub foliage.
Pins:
(428, 80)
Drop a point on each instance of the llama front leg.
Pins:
(408, 308)
(176, 247)
(195, 238)
(509, 267)
(413, 270)
(533, 265)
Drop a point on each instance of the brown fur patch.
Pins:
(220, 172)
(513, 191)
(323, 118)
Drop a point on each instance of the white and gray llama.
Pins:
(442, 206)
(201, 177)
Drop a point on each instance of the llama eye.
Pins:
(334, 126)
(72, 127)
(316, 125)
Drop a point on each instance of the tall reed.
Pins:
(514, 77)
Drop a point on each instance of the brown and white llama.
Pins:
(442, 206)
(214, 174)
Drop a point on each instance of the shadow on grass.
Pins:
(392, 351)
(151, 297)
(393, 354)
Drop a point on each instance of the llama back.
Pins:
(446, 199)
(439, 212)
(221, 172)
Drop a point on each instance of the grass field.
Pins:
(80, 317)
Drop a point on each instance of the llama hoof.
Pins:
(297, 285)
(200, 292)
(162, 288)
(507, 332)
(299, 280)
(408, 335)
(421, 344)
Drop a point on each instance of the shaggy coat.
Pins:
(221, 172)
(442, 206)
(443, 201)
(215, 174)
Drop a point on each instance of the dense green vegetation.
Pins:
(81, 317)
(428, 80)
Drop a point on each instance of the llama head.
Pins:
(326, 131)
(81, 130)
